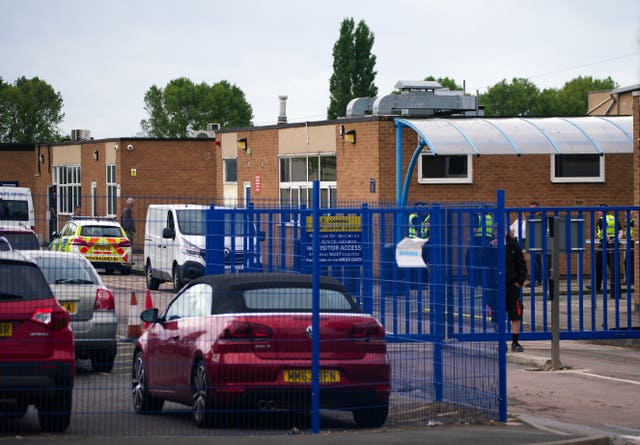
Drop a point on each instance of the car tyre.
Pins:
(152, 283)
(143, 402)
(177, 278)
(373, 417)
(102, 361)
(54, 411)
(201, 399)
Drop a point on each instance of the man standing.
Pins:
(127, 222)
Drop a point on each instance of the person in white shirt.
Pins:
(521, 233)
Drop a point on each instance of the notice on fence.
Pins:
(340, 240)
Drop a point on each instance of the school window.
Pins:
(577, 168)
(445, 169)
(67, 178)
(297, 174)
(230, 170)
(111, 189)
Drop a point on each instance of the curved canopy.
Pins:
(552, 135)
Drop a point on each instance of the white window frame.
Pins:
(303, 190)
(224, 170)
(577, 179)
(112, 190)
(69, 182)
(444, 180)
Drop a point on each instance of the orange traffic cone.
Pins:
(148, 304)
(133, 325)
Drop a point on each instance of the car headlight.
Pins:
(191, 249)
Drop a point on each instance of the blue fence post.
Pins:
(502, 346)
(315, 321)
(214, 241)
(367, 260)
(437, 298)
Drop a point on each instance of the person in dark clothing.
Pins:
(515, 277)
(127, 222)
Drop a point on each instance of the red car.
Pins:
(37, 361)
(244, 341)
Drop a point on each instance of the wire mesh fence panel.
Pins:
(255, 305)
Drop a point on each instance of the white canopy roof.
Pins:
(553, 135)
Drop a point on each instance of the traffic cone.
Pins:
(148, 304)
(133, 324)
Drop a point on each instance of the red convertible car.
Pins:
(244, 341)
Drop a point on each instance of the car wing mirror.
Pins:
(168, 233)
(149, 315)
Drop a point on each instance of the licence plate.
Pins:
(304, 376)
(6, 330)
(102, 258)
(69, 307)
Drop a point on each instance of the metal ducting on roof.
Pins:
(416, 98)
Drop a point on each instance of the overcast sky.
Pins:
(102, 56)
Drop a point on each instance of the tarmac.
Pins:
(592, 399)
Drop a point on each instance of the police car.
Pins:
(101, 240)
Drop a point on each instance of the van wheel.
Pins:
(152, 283)
(177, 278)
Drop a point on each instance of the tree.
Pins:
(573, 98)
(353, 67)
(182, 105)
(445, 82)
(519, 98)
(523, 98)
(30, 111)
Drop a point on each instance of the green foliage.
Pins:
(182, 105)
(30, 111)
(518, 98)
(445, 82)
(353, 67)
(522, 98)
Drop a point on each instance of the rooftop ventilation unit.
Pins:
(209, 133)
(415, 98)
(80, 135)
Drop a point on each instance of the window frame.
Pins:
(445, 180)
(577, 179)
(112, 189)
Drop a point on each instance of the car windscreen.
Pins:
(194, 222)
(101, 231)
(58, 270)
(22, 240)
(296, 299)
(14, 210)
(21, 282)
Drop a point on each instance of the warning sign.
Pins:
(340, 240)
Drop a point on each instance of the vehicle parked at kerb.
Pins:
(20, 238)
(80, 290)
(101, 240)
(244, 341)
(37, 362)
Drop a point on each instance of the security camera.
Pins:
(129, 147)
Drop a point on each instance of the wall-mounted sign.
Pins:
(257, 183)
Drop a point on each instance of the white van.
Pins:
(175, 244)
(16, 207)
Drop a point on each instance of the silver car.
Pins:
(80, 290)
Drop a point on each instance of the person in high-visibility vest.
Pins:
(479, 254)
(420, 227)
(605, 237)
